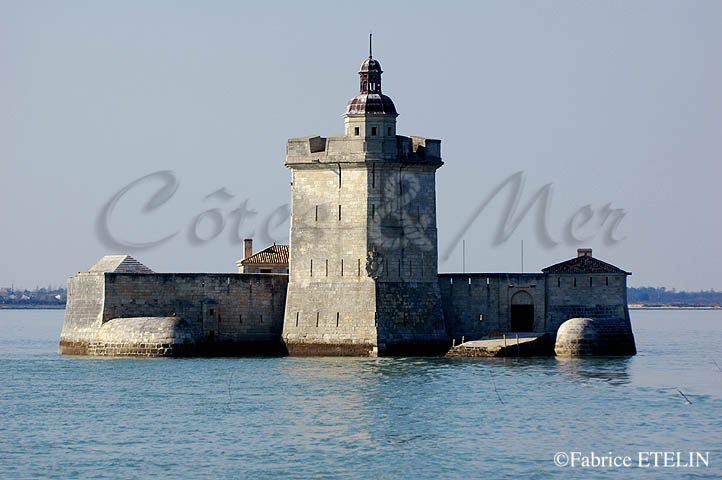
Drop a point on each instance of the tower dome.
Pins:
(370, 100)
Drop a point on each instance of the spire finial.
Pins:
(370, 37)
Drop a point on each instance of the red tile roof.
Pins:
(583, 264)
(276, 254)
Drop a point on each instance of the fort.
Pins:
(360, 275)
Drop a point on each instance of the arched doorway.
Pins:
(522, 312)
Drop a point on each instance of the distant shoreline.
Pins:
(32, 307)
(670, 307)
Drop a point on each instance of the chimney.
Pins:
(247, 247)
(584, 252)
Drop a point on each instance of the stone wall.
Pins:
(476, 304)
(83, 312)
(592, 295)
(221, 313)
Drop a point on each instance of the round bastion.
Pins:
(594, 336)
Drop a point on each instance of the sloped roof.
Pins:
(583, 264)
(276, 254)
(119, 264)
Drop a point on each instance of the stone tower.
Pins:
(363, 243)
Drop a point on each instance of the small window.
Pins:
(607, 280)
(388, 131)
(373, 210)
(317, 213)
(339, 212)
(357, 131)
(373, 131)
(211, 312)
(575, 282)
(559, 282)
(266, 270)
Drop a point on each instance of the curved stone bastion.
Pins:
(595, 336)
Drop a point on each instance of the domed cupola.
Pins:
(370, 100)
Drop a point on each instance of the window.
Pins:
(373, 131)
(339, 213)
(312, 268)
(266, 270)
(607, 280)
(388, 131)
(373, 210)
(357, 131)
(317, 213)
(342, 267)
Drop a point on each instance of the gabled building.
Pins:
(273, 259)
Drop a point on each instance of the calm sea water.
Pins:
(75, 417)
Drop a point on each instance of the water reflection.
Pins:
(614, 370)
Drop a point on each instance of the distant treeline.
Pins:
(662, 296)
(21, 298)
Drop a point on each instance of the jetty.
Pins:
(521, 344)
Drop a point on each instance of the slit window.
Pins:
(339, 213)
(388, 131)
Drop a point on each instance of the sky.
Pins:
(158, 128)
